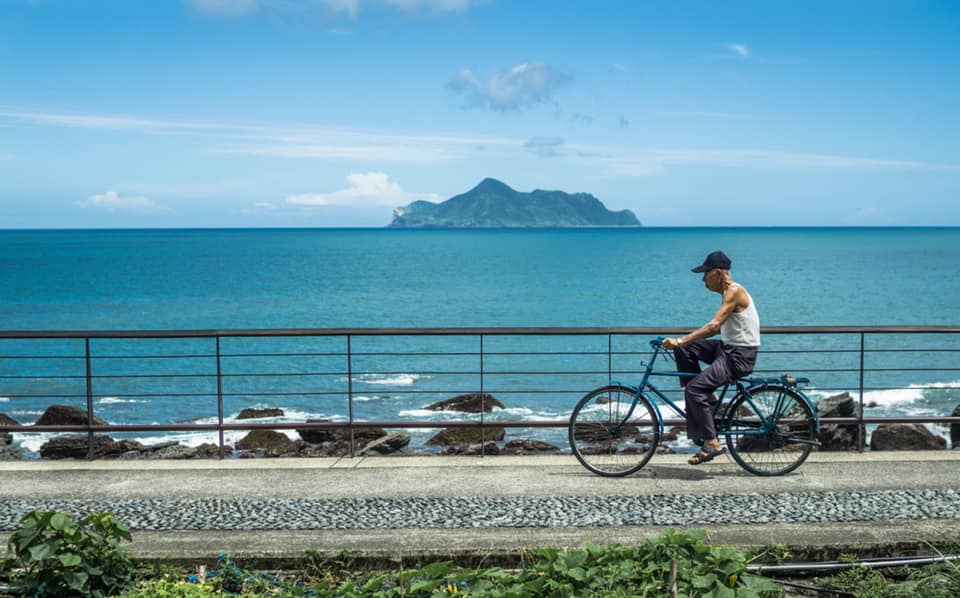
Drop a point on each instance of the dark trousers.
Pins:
(726, 364)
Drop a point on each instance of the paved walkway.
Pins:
(493, 507)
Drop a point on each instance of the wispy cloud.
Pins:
(707, 114)
(111, 201)
(348, 8)
(545, 147)
(523, 86)
(628, 163)
(284, 140)
(366, 189)
(741, 50)
(224, 8)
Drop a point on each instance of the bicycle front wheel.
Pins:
(610, 435)
(770, 430)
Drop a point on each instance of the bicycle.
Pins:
(770, 425)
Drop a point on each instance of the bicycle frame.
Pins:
(743, 386)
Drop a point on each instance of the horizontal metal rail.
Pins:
(489, 372)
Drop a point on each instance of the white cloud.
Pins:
(111, 201)
(523, 86)
(740, 50)
(366, 189)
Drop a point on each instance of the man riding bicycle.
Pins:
(731, 357)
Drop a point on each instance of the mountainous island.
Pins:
(494, 204)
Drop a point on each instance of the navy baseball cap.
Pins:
(717, 259)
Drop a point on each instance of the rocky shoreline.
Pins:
(372, 441)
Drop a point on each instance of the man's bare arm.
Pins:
(711, 328)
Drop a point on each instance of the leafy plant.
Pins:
(62, 557)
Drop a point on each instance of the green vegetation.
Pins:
(53, 555)
(941, 580)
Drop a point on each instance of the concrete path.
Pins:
(491, 509)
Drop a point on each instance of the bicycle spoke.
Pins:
(610, 435)
(770, 431)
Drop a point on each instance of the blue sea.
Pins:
(593, 277)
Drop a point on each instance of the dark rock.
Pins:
(8, 422)
(468, 403)
(5, 438)
(905, 437)
(10, 453)
(65, 415)
(321, 435)
(208, 449)
(466, 435)
(527, 447)
(292, 449)
(263, 439)
(75, 447)
(164, 450)
(489, 448)
(251, 413)
(955, 430)
(387, 444)
(839, 437)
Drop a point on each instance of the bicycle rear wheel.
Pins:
(607, 437)
(770, 430)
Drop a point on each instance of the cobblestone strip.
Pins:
(508, 512)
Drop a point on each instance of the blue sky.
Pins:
(209, 113)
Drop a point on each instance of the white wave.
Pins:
(395, 380)
(4, 399)
(430, 414)
(117, 401)
(363, 399)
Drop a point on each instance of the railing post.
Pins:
(861, 431)
(483, 431)
(609, 359)
(350, 394)
(219, 397)
(89, 399)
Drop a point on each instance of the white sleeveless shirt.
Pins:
(742, 329)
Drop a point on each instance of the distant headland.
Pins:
(494, 204)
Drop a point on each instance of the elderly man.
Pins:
(731, 357)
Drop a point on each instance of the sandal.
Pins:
(705, 455)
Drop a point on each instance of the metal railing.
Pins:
(332, 369)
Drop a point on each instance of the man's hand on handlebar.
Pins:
(670, 343)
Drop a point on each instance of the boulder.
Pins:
(7, 422)
(955, 429)
(466, 435)
(488, 448)
(251, 413)
(208, 449)
(163, 450)
(385, 445)
(838, 437)
(905, 437)
(263, 439)
(321, 435)
(65, 415)
(468, 403)
(527, 447)
(75, 447)
(10, 453)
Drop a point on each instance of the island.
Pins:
(494, 204)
